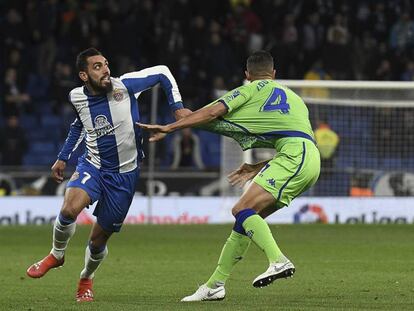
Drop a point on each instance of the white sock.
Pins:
(61, 237)
(92, 262)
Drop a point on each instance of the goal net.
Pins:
(365, 133)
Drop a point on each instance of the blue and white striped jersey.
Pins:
(107, 122)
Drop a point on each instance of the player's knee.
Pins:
(98, 239)
(242, 204)
(96, 246)
(72, 207)
(70, 210)
(237, 209)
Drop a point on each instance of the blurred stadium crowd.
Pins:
(205, 44)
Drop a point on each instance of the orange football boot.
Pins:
(39, 269)
(85, 292)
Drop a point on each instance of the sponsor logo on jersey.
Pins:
(310, 213)
(74, 176)
(232, 96)
(118, 95)
(103, 127)
(80, 105)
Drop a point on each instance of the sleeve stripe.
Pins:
(75, 136)
(165, 74)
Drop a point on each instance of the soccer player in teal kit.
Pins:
(261, 114)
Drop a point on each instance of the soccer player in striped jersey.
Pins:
(261, 114)
(108, 172)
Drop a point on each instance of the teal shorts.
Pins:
(292, 171)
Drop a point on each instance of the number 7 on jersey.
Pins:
(86, 178)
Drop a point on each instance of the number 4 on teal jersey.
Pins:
(276, 101)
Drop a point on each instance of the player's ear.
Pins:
(248, 78)
(83, 76)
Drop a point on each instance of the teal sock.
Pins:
(258, 230)
(233, 251)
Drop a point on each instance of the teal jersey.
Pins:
(260, 113)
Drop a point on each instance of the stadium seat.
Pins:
(37, 135)
(28, 122)
(210, 148)
(408, 163)
(369, 162)
(335, 184)
(37, 86)
(51, 121)
(42, 148)
(43, 108)
(39, 159)
(391, 163)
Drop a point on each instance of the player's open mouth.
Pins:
(105, 79)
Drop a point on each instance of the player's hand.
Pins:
(157, 132)
(182, 113)
(57, 170)
(243, 174)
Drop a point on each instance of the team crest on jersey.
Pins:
(271, 182)
(103, 127)
(74, 176)
(118, 95)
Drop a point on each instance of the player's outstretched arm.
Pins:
(157, 132)
(182, 113)
(245, 173)
(198, 117)
(139, 81)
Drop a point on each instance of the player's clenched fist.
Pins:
(57, 170)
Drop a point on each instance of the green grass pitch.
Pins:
(152, 267)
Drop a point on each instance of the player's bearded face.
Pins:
(101, 84)
(99, 74)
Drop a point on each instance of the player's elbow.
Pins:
(216, 111)
(163, 69)
(213, 115)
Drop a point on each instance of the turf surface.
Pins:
(153, 267)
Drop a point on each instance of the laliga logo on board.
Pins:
(310, 213)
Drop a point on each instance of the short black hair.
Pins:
(82, 58)
(260, 62)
